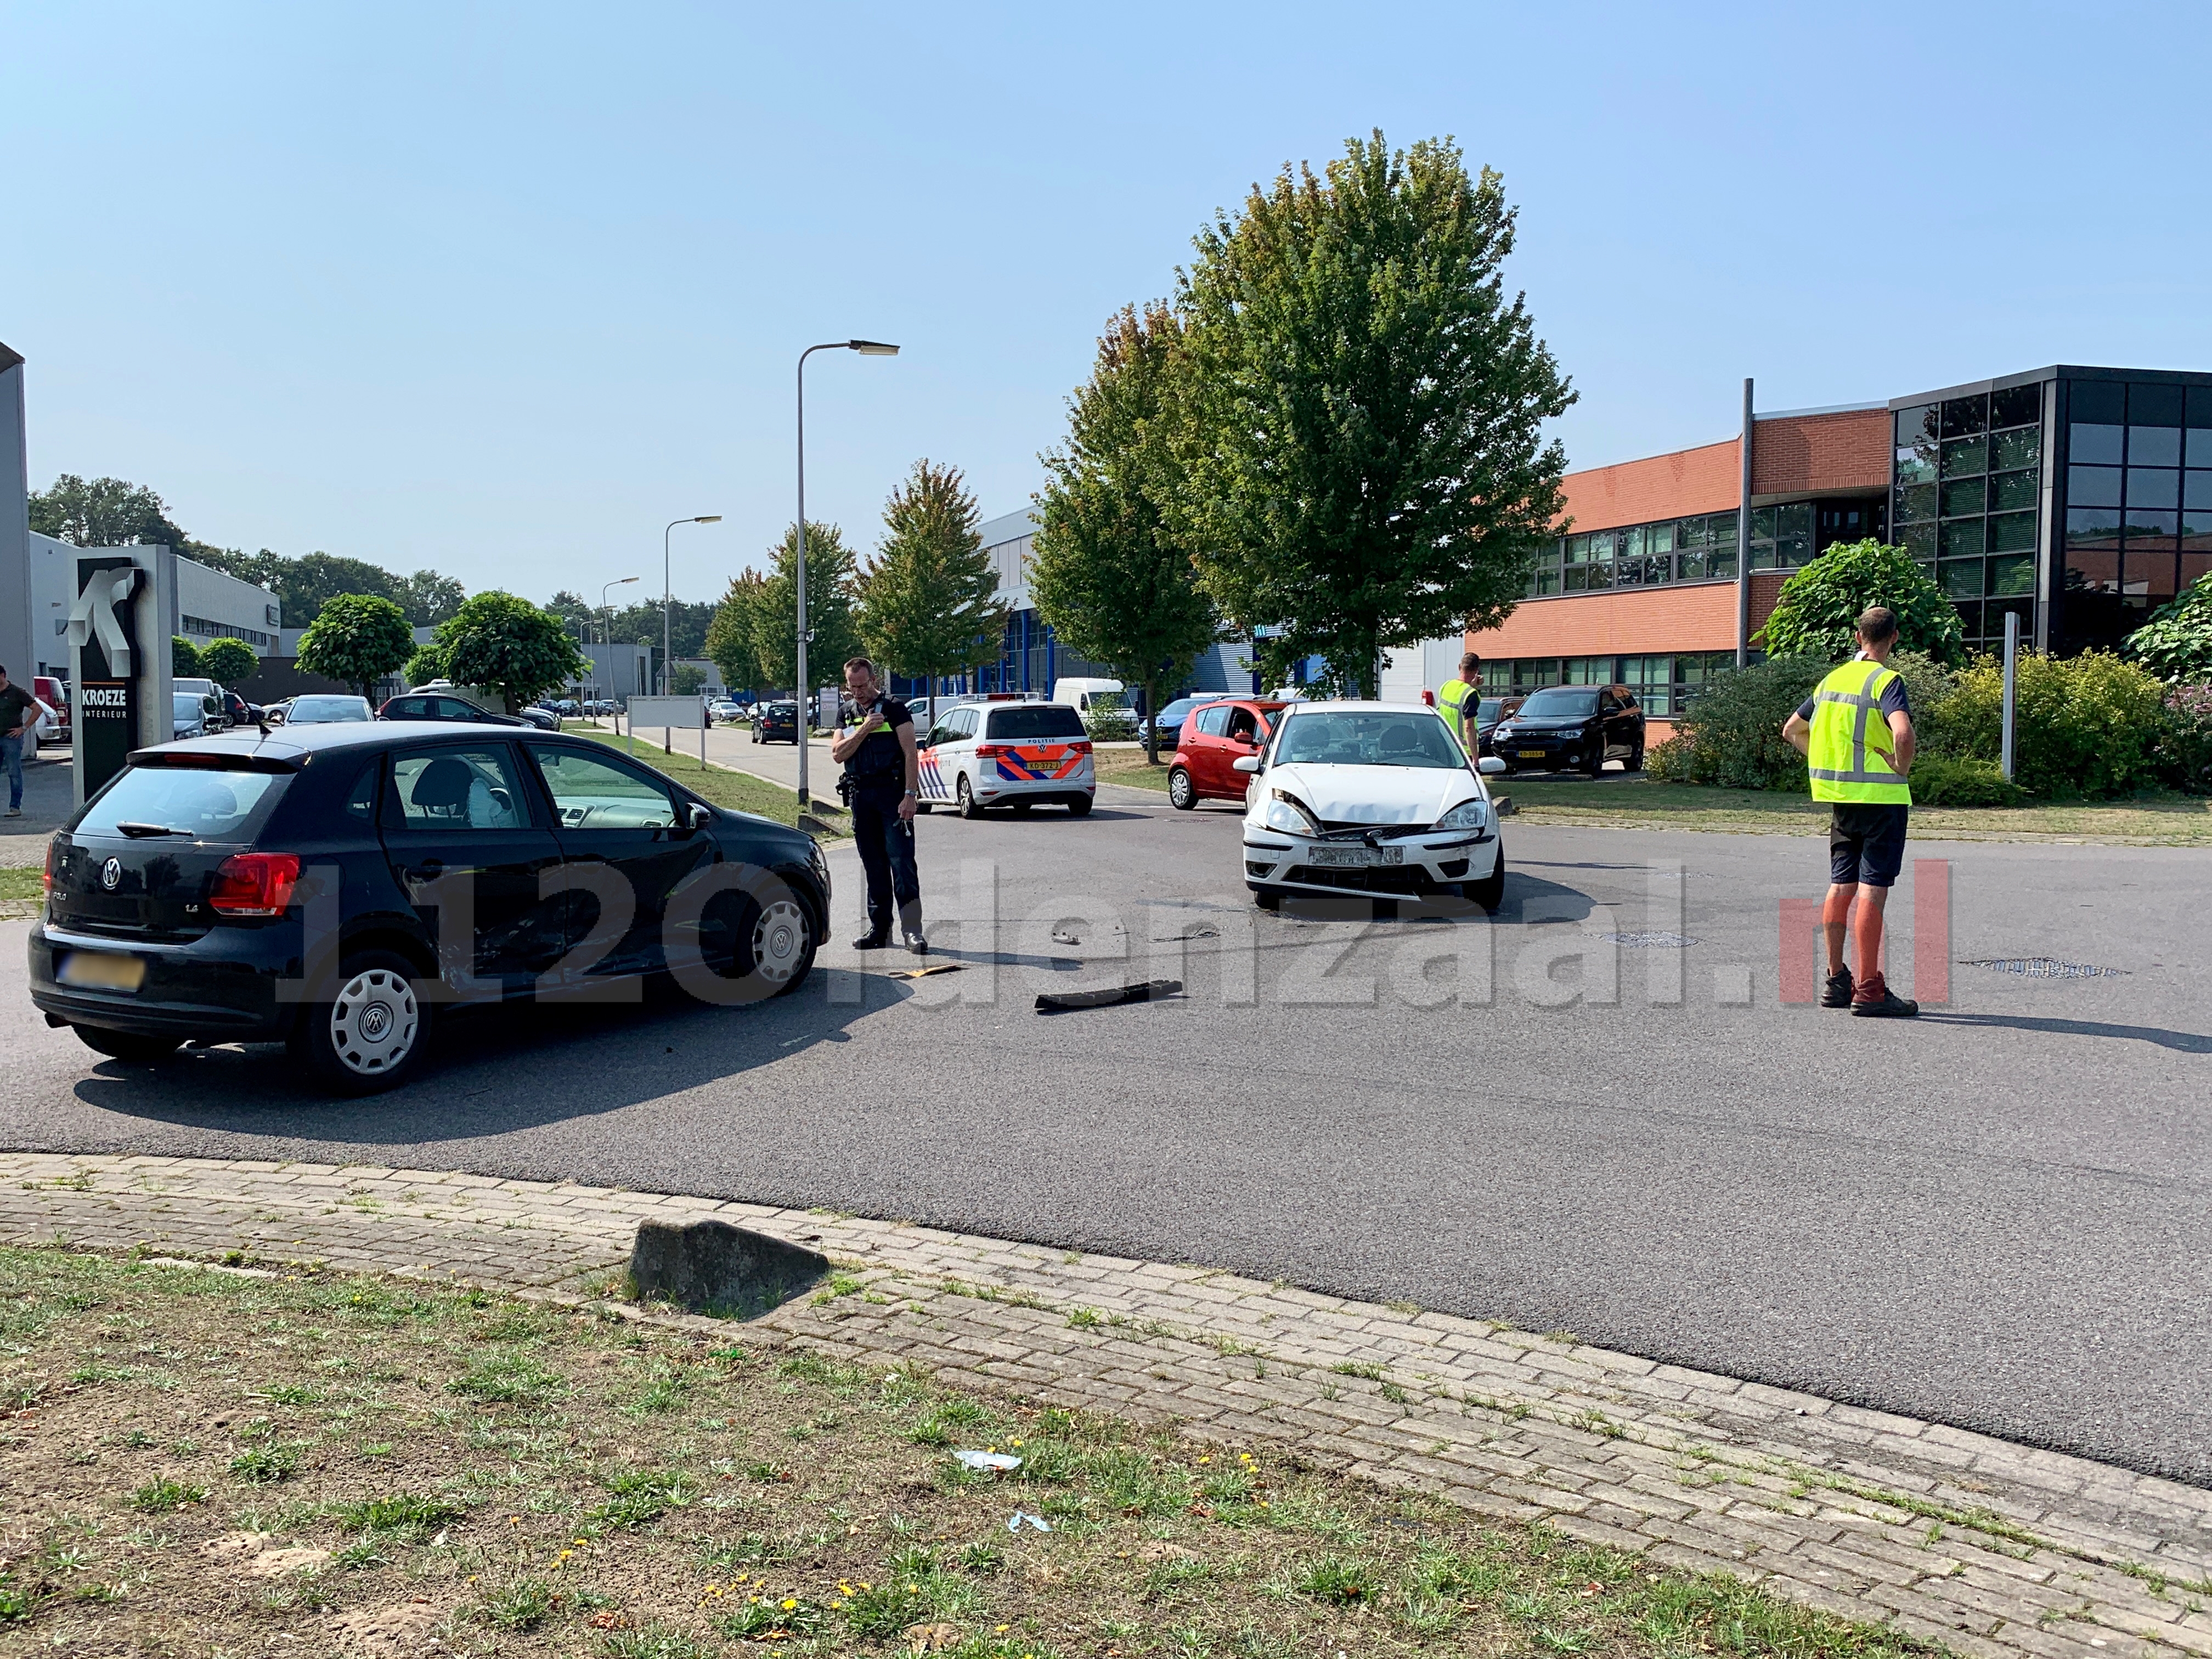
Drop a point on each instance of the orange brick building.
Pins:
(2078, 498)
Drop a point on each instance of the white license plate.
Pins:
(1529, 754)
(94, 970)
(1356, 855)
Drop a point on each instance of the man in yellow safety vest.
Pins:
(1856, 733)
(1459, 701)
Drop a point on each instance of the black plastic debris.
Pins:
(1063, 1002)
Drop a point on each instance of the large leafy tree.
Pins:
(687, 621)
(730, 636)
(103, 513)
(357, 639)
(506, 644)
(929, 603)
(429, 599)
(830, 578)
(1110, 575)
(1364, 464)
(229, 661)
(2176, 643)
(1818, 610)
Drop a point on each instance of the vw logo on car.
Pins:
(111, 874)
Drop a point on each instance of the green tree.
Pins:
(305, 585)
(357, 639)
(1818, 610)
(229, 662)
(429, 599)
(730, 637)
(570, 607)
(2176, 643)
(505, 644)
(103, 513)
(687, 622)
(686, 679)
(184, 655)
(929, 603)
(428, 664)
(1108, 574)
(773, 609)
(1361, 431)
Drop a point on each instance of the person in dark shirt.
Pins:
(18, 711)
(883, 771)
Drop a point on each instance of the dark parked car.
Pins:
(242, 888)
(1488, 713)
(1564, 728)
(776, 722)
(439, 706)
(1171, 719)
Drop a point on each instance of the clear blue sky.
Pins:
(502, 290)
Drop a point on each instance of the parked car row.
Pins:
(298, 887)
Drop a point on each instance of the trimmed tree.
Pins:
(1108, 574)
(184, 656)
(428, 664)
(929, 603)
(357, 639)
(1817, 612)
(229, 661)
(1364, 463)
(500, 642)
(2176, 643)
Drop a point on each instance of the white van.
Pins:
(1078, 694)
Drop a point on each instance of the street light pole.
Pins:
(607, 625)
(668, 594)
(867, 348)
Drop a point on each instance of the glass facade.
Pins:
(1965, 482)
(1663, 682)
(1694, 550)
(2137, 493)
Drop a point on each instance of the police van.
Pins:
(1003, 750)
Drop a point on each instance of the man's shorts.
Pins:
(1866, 844)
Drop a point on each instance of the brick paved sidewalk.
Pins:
(1987, 1548)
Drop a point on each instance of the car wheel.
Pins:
(779, 945)
(1594, 763)
(1078, 806)
(1267, 898)
(964, 800)
(127, 1045)
(1490, 891)
(370, 1035)
(1183, 793)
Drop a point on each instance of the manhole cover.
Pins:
(2044, 968)
(1649, 941)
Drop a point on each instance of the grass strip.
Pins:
(526, 1480)
(740, 791)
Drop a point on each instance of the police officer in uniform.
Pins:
(883, 771)
(1856, 733)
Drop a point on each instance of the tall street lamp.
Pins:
(607, 624)
(668, 595)
(867, 348)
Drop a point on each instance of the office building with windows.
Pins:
(2077, 498)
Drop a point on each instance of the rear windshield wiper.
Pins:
(138, 832)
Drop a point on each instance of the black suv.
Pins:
(1564, 728)
(335, 886)
(435, 706)
(776, 722)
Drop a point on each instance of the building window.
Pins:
(1964, 496)
(1692, 550)
(1664, 683)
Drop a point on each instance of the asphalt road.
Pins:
(1997, 1217)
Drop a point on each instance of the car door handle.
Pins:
(428, 870)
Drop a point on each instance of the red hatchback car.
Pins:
(1213, 735)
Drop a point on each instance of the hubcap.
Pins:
(780, 941)
(373, 1022)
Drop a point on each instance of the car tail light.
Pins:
(255, 884)
(46, 881)
(1081, 746)
(989, 750)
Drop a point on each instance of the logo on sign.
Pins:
(111, 874)
(94, 616)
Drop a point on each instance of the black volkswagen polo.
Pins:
(336, 886)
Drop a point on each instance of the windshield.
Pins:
(1049, 719)
(191, 800)
(1559, 703)
(1368, 739)
(1488, 708)
(306, 710)
(188, 706)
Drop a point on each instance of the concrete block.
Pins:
(709, 1266)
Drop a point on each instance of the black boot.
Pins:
(1876, 1000)
(1836, 991)
(871, 941)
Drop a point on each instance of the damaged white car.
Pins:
(1371, 798)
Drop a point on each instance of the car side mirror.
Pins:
(1245, 763)
(1489, 766)
(697, 818)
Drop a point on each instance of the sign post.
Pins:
(672, 715)
(121, 678)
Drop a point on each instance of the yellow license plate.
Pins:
(94, 970)
(1531, 754)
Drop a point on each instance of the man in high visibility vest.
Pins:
(1459, 701)
(1856, 733)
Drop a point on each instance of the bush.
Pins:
(1731, 735)
(2086, 726)
(2176, 643)
(2184, 749)
(1818, 610)
(229, 662)
(1937, 782)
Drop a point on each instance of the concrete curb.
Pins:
(1987, 1548)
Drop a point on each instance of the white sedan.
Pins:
(1372, 798)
